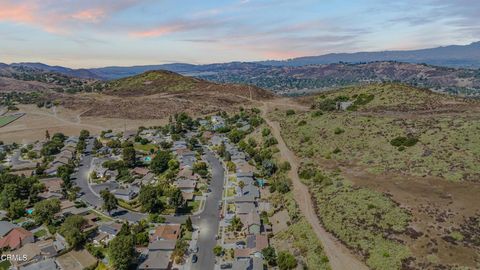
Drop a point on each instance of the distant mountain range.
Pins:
(444, 69)
(461, 56)
(466, 56)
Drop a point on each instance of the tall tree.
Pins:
(47, 135)
(110, 202)
(71, 229)
(177, 198)
(159, 163)
(129, 156)
(44, 211)
(149, 198)
(189, 225)
(121, 251)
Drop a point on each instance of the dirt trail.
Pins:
(339, 256)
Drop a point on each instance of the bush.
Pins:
(289, 112)
(286, 261)
(317, 113)
(339, 131)
(302, 123)
(404, 141)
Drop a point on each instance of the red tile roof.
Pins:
(167, 232)
(15, 238)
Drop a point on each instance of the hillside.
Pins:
(307, 79)
(391, 175)
(158, 94)
(32, 77)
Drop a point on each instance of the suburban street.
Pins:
(208, 219)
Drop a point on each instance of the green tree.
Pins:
(231, 166)
(177, 198)
(110, 202)
(218, 251)
(129, 156)
(149, 198)
(16, 209)
(200, 168)
(286, 261)
(121, 251)
(179, 252)
(173, 164)
(189, 225)
(236, 224)
(270, 255)
(44, 211)
(97, 144)
(235, 135)
(159, 163)
(71, 229)
(241, 185)
(84, 134)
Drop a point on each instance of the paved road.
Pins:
(208, 220)
(209, 215)
(81, 178)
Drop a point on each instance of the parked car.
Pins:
(194, 258)
(226, 266)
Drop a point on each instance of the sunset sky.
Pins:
(93, 33)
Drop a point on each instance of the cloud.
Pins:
(60, 18)
(178, 26)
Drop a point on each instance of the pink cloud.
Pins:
(17, 13)
(58, 18)
(89, 15)
(157, 32)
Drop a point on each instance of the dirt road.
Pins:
(339, 256)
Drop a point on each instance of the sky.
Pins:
(96, 33)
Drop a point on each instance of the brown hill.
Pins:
(157, 94)
(162, 82)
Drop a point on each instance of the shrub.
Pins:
(404, 141)
(339, 131)
(302, 123)
(290, 112)
(317, 113)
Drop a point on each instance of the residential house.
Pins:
(251, 222)
(162, 245)
(48, 264)
(156, 260)
(76, 260)
(106, 232)
(187, 186)
(166, 232)
(177, 145)
(126, 194)
(53, 188)
(16, 238)
(6, 227)
(187, 159)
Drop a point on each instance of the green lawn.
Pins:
(40, 233)
(146, 147)
(7, 119)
